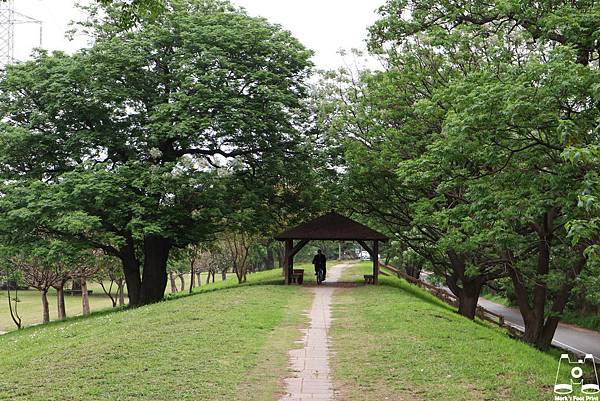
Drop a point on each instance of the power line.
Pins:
(8, 19)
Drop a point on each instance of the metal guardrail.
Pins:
(447, 297)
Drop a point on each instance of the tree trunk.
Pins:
(14, 314)
(121, 292)
(85, 298)
(412, 271)
(531, 322)
(172, 281)
(182, 280)
(199, 278)
(45, 309)
(223, 275)
(108, 292)
(534, 314)
(154, 279)
(60, 302)
(131, 271)
(468, 290)
(560, 300)
(192, 279)
(467, 302)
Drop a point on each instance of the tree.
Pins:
(62, 276)
(109, 269)
(135, 11)
(385, 121)
(39, 276)
(83, 269)
(520, 88)
(118, 147)
(194, 253)
(11, 275)
(236, 247)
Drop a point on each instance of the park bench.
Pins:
(369, 279)
(298, 276)
(76, 292)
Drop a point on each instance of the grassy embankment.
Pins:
(30, 304)
(220, 345)
(397, 342)
(391, 341)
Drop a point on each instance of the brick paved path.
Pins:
(310, 364)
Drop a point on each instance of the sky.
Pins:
(325, 26)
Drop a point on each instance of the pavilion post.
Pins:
(288, 260)
(375, 257)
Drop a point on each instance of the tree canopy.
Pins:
(474, 145)
(133, 145)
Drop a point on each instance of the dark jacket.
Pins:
(319, 261)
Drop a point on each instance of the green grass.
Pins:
(30, 304)
(591, 322)
(397, 342)
(219, 345)
(499, 299)
(230, 342)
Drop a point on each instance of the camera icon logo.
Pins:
(576, 376)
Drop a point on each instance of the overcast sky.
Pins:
(324, 26)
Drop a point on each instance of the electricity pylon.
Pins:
(8, 19)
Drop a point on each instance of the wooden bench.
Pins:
(76, 292)
(369, 279)
(298, 276)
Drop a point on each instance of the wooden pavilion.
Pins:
(329, 227)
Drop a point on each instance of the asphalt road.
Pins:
(572, 338)
(569, 337)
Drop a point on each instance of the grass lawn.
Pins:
(219, 345)
(591, 322)
(30, 303)
(396, 342)
(230, 342)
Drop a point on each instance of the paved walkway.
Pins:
(310, 364)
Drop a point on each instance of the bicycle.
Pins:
(320, 276)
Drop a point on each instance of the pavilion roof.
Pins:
(332, 226)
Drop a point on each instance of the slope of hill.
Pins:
(220, 345)
(391, 342)
(398, 342)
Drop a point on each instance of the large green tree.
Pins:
(387, 122)
(133, 145)
(467, 127)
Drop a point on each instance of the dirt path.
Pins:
(311, 380)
